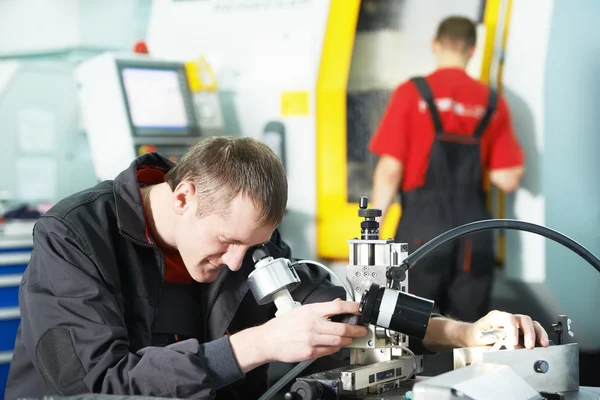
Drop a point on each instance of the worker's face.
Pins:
(218, 240)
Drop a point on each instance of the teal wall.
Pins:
(44, 82)
(571, 162)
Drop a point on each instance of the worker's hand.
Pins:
(305, 332)
(513, 324)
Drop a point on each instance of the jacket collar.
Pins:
(128, 199)
(132, 223)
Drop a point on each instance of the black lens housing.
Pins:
(396, 310)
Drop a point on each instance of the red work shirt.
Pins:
(175, 270)
(406, 130)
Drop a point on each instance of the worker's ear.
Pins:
(470, 51)
(435, 46)
(184, 197)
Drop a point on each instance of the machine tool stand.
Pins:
(379, 361)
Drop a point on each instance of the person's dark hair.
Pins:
(225, 166)
(457, 31)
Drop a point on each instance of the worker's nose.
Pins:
(234, 257)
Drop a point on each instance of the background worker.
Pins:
(438, 137)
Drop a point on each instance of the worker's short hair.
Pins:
(457, 30)
(225, 166)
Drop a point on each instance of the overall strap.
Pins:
(491, 108)
(427, 95)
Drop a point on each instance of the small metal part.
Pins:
(493, 334)
(363, 202)
(562, 327)
(369, 228)
(307, 390)
(541, 366)
(502, 344)
(271, 276)
(397, 275)
(382, 333)
(365, 376)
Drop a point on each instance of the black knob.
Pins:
(557, 328)
(363, 202)
(306, 390)
(396, 274)
(541, 366)
(369, 227)
(369, 212)
(351, 319)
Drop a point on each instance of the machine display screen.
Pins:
(157, 101)
(155, 98)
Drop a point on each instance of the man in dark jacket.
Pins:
(138, 286)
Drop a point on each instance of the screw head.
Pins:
(357, 273)
(374, 274)
(541, 366)
(370, 343)
(357, 288)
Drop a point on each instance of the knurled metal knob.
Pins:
(363, 202)
(369, 213)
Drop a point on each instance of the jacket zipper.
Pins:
(161, 266)
(160, 288)
(212, 305)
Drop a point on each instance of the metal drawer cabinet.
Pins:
(14, 256)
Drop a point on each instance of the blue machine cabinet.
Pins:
(15, 253)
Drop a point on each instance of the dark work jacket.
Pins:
(89, 296)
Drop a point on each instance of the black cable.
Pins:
(498, 224)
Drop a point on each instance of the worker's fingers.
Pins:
(341, 329)
(507, 321)
(320, 351)
(337, 307)
(322, 340)
(526, 325)
(541, 334)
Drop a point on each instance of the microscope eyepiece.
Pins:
(259, 253)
